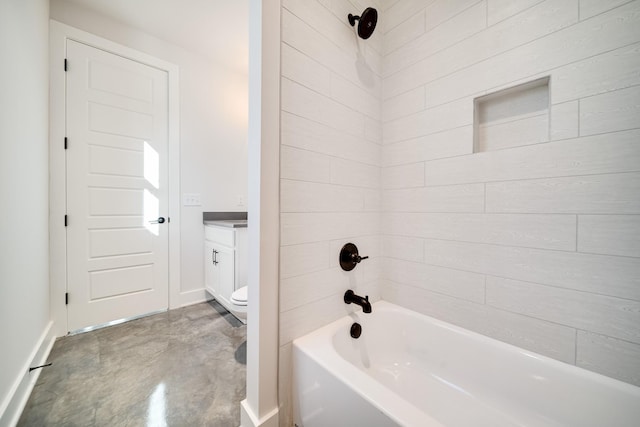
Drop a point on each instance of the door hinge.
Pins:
(66, 220)
(66, 298)
(65, 64)
(65, 143)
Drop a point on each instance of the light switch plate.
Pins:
(191, 199)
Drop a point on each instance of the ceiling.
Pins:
(217, 29)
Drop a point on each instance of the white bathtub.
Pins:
(412, 370)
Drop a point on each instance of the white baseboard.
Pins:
(193, 297)
(16, 400)
(249, 419)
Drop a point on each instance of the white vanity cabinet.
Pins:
(225, 257)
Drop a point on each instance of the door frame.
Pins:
(59, 34)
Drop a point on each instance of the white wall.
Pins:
(213, 131)
(330, 168)
(536, 245)
(24, 165)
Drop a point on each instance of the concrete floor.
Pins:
(185, 367)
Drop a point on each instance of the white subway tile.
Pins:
(447, 281)
(454, 142)
(615, 317)
(373, 130)
(301, 320)
(524, 131)
(350, 173)
(609, 356)
(304, 165)
(402, 34)
(305, 289)
(606, 275)
(402, 11)
(403, 176)
(302, 37)
(441, 11)
(473, 65)
(601, 154)
(499, 10)
(542, 337)
(533, 231)
(451, 198)
(306, 134)
(367, 246)
(564, 121)
(617, 69)
(400, 247)
(301, 259)
(589, 8)
(354, 97)
(302, 196)
(593, 194)
(313, 106)
(437, 39)
(403, 105)
(441, 118)
(610, 112)
(372, 200)
(609, 234)
(300, 68)
(298, 228)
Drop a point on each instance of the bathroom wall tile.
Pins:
(373, 130)
(304, 165)
(313, 106)
(441, 11)
(609, 71)
(454, 142)
(403, 11)
(610, 112)
(542, 337)
(434, 120)
(458, 28)
(589, 8)
(609, 356)
(449, 198)
(403, 176)
(564, 120)
(609, 234)
(403, 105)
(367, 245)
(534, 231)
(304, 70)
(347, 172)
(473, 65)
(372, 200)
(447, 281)
(354, 97)
(606, 275)
(309, 135)
(404, 248)
(593, 194)
(529, 130)
(614, 317)
(296, 228)
(302, 37)
(499, 10)
(296, 260)
(299, 321)
(301, 196)
(298, 291)
(615, 152)
(402, 34)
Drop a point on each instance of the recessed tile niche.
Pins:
(512, 117)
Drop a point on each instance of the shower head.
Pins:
(367, 24)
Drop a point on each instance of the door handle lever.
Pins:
(157, 221)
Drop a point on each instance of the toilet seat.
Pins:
(239, 297)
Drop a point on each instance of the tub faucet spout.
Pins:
(351, 297)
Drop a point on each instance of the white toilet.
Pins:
(238, 302)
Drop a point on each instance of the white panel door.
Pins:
(117, 131)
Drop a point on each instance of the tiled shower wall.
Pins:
(536, 245)
(331, 140)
